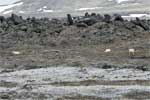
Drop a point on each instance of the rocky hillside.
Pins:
(90, 29)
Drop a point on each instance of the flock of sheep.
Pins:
(131, 51)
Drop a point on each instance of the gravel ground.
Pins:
(70, 83)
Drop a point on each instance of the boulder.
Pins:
(5, 96)
(16, 19)
(86, 15)
(88, 21)
(2, 19)
(118, 17)
(33, 20)
(141, 23)
(69, 19)
(99, 17)
(81, 25)
(93, 14)
(55, 21)
(24, 28)
(107, 18)
(143, 67)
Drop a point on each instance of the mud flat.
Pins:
(71, 83)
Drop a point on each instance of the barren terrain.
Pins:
(67, 62)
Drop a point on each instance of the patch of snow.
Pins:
(135, 3)
(22, 12)
(40, 9)
(44, 7)
(8, 2)
(48, 11)
(84, 9)
(136, 15)
(3, 8)
(45, 10)
(120, 1)
(125, 16)
(7, 12)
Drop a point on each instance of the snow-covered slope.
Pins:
(61, 7)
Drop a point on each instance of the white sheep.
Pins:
(131, 52)
(107, 50)
(16, 52)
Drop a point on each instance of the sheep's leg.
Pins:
(133, 54)
(129, 54)
(107, 54)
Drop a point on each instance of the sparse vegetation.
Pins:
(80, 58)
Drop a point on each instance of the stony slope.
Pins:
(95, 29)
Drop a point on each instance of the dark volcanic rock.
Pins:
(143, 68)
(81, 25)
(106, 66)
(16, 19)
(118, 17)
(141, 23)
(107, 18)
(70, 20)
(87, 21)
(93, 14)
(2, 19)
(100, 17)
(89, 29)
(87, 15)
(5, 97)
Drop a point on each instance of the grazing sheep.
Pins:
(131, 52)
(107, 50)
(16, 52)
